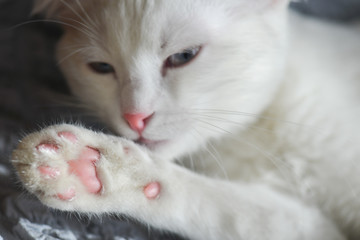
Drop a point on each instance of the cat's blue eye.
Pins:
(101, 67)
(182, 58)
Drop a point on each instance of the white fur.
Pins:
(273, 111)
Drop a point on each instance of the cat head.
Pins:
(172, 75)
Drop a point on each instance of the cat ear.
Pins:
(48, 7)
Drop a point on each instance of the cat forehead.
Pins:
(148, 24)
(158, 16)
(158, 20)
(137, 8)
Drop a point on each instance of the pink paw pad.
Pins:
(152, 190)
(49, 172)
(84, 167)
(69, 136)
(67, 195)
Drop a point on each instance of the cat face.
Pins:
(172, 74)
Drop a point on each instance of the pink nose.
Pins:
(137, 121)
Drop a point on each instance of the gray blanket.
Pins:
(33, 94)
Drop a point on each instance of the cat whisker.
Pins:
(87, 23)
(257, 116)
(75, 12)
(280, 165)
(69, 55)
(89, 20)
(191, 162)
(219, 119)
(86, 29)
(215, 156)
(49, 21)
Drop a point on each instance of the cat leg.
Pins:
(75, 169)
(63, 165)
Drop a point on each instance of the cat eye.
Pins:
(182, 58)
(101, 67)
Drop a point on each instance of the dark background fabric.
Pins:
(339, 10)
(33, 94)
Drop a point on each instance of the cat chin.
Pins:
(169, 148)
(155, 146)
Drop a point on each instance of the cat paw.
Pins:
(69, 167)
(83, 167)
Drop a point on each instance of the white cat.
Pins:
(262, 104)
